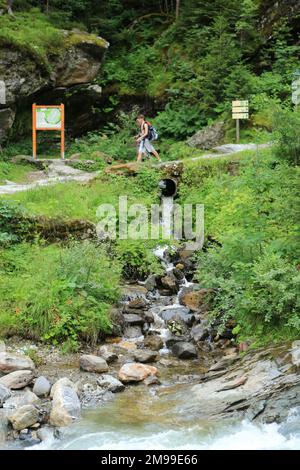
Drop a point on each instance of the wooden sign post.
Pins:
(240, 110)
(48, 118)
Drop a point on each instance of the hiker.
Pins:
(146, 135)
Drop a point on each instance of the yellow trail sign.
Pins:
(240, 115)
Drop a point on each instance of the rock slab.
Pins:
(135, 372)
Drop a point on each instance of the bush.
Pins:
(58, 294)
(287, 136)
(262, 296)
(137, 258)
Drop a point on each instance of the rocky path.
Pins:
(60, 172)
(57, 172)
(220, 151)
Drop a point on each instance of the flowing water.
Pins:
(167, 416)
(136, 419)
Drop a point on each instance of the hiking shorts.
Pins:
(145, 146)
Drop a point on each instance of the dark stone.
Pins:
(200, 332)
(184, 350)
(153, 342)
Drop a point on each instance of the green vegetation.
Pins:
(182, 73)
(252, 241)
(71, 200)
(57, 294)
(12, 172)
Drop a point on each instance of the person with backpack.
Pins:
(145, 138)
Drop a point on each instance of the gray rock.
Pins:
(76, 65)
(148, 317)
(91, 363)
(65, 382)
(153, 342)
(21, 399)
(24, 417)
(46, 433)
(208, 137)
(295, 351)
(4, 394)
(65, 406)
(132, 332)
(150, 283)
(110, 383)
(4, 424)
(17, 379)
(42, 386)
(225, 362)
(170, 282)
(175, 312)
(7, 117)
(133, 319)
(136, 304)
(200, 332)
(184, 350)
(144, 355)
(2, 346)
(12, 362)
(152, 380)
(107, 355)
(133, 292)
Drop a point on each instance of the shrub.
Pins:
(59, 294)
(287, 136)
(137, 258)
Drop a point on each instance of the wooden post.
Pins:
(62, 132)
(34, 131)
(237, 131)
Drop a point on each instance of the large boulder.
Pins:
(24, 417)
(65, 406)
(21, 399)
(91, 363)
(65, 76)
(133, 372)
(17, 379)
(12, 362)
(4, 394)
(63, 382)
(184, 350)
(208, 137)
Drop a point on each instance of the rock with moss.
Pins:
(70, 58)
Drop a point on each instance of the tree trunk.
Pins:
(177, 8)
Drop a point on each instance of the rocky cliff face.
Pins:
(65, 77)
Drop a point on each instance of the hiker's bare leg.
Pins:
(139, 157)
(156, 155)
